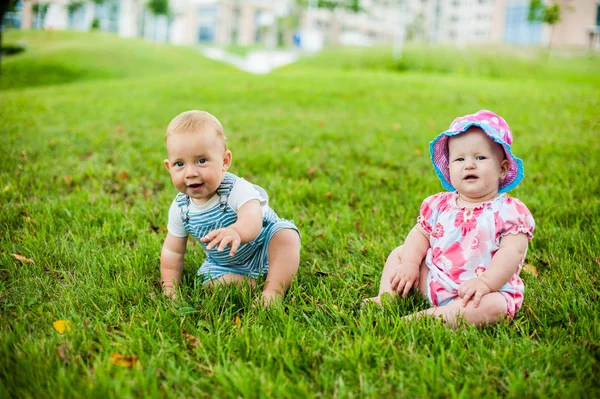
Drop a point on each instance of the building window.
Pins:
(257, 33)
(107, 14)
(207, 23)
(518, 29)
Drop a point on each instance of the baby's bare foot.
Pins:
(385, 298)
(375, 299)
(270, 298)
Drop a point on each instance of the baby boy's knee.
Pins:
(286, 238)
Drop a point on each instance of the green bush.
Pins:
(12, 49)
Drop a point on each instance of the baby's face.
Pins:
(476, 165)
(197, 163)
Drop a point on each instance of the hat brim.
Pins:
(438, 149)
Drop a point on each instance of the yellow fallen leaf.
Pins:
(21, 258)
(236, 320)
(62, 326)
(124, 361)
(529, 268)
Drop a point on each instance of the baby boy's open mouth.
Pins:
(470, 177)
(195, 185)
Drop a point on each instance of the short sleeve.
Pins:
(515, 218)
(429, 213)
(244, 191)
(175, 225)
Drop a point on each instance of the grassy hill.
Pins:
(58, 57)
(340, 142)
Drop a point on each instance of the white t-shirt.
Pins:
(241, 192)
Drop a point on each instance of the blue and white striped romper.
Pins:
(251, 259)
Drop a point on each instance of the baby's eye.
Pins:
(202, 160)
(480, 158)
(179, 164)
(459, 159)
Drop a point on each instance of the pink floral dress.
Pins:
(463, 241)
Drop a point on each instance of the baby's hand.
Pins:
(405, 278)
(473, 290)
(222, 238)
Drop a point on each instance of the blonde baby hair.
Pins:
(195, 121)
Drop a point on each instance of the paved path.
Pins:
(259, 62)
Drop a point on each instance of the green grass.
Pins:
(340, 142)
(243, 51)
(57, 57)
(489, 61)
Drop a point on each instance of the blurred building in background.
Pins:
(578, 25)
(274, 23)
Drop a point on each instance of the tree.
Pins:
(159, 8)
(350, 5)
(4, 7)
(333, 6)
(72, 8)
(95, 21)
(547, 14)
(286, 25)
(39, 10)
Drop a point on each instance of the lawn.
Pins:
(340, 142)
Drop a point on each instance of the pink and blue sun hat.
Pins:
(496, 128)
